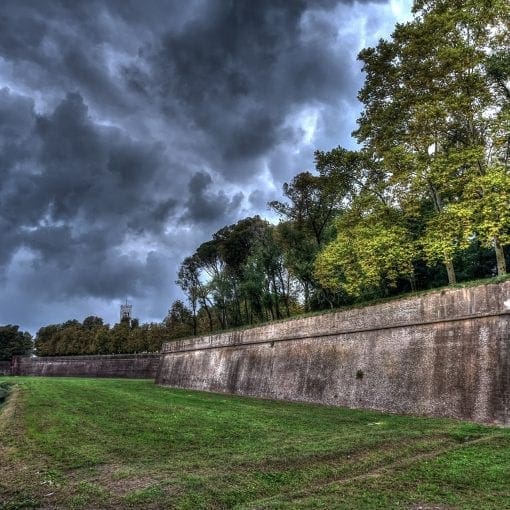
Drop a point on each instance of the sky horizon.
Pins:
(131, 132)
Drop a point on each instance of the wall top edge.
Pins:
(89, 357)
(443, 306)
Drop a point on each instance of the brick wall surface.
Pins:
(5, 368)
(440, 354)
(136, 366)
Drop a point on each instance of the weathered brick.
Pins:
(440, 354)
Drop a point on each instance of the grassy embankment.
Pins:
(90, 443)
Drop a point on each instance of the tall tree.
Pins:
(430, 96)
(235, 244)
(189, 281)
(372, 250)
(14, 342)
(180, 321)
(313, 202)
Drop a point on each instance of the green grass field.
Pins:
(98, 443)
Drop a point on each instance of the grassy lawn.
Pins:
(102, 443)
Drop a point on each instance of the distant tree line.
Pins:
(424, 202)
(92, 336)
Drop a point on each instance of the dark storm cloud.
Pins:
(74, 196)
(240, 68)
(207, 206)
(130, 131)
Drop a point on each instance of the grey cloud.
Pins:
(85, 189)
(96, 172)
(133, 130)
(20, 34)
(206, 206)
(238, 71)
(109, 275)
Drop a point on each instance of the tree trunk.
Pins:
(194, 311)
(452, 280)
(272, 316)
(500, 257)
(248, 316)
(220, 313)
(209, 316)
(276, 299)
(306, 291)
(285, 293)
(325, 293)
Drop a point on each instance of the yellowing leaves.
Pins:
(366, 256)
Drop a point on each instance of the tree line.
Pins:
(92, 336)
(425, 201)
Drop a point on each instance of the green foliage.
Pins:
(94, 337)
(446, 233)
(371, 254)
(435, 119)
(14, 342)
(313, 202)
(179, 320)
(238, 277)
(488, 205)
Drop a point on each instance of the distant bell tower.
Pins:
(125, 312)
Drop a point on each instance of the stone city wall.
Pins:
(5, 368)
(439, 354)
(136, 366)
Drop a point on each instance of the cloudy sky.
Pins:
(132, 130)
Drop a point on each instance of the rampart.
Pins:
(5, 368)
(136, 366)
(439, 354)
